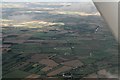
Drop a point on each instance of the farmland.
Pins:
(52, 40)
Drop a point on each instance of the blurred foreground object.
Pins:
(109, 11)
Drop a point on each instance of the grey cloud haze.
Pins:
(46, 0)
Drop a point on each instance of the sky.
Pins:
(59, 0)
(46, 0)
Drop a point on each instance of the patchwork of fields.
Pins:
(43, 40)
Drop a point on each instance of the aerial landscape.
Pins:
(56, 40)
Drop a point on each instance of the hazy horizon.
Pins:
(47, 0)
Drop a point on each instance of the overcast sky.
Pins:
(59, 0)
(46, 0)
